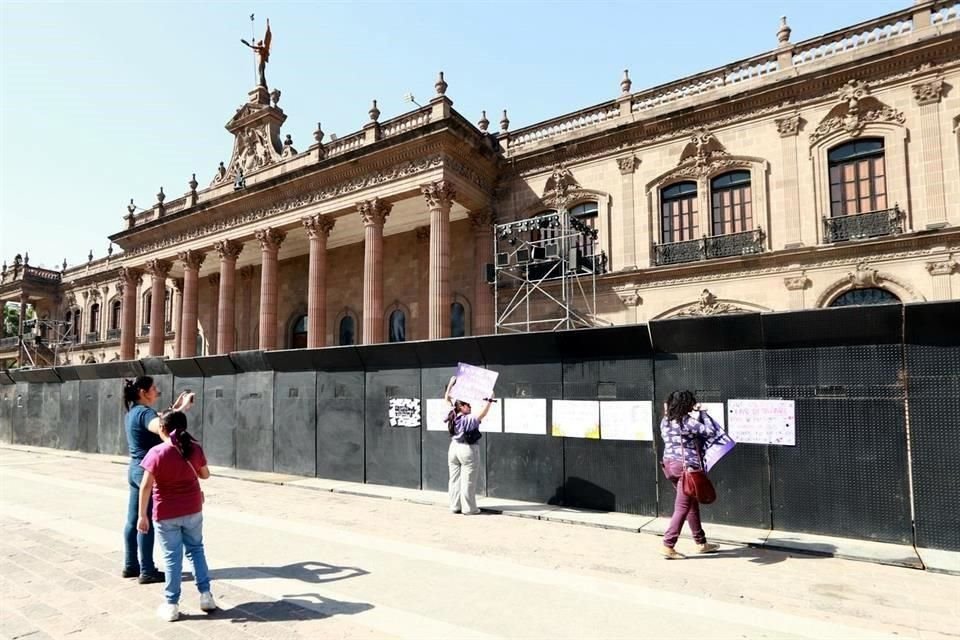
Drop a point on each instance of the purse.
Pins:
(695, 483)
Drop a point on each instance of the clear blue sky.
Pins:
(101, 102)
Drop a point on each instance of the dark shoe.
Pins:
(151, 578)
(130, 573)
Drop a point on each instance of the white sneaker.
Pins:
(168, 612)
(207, 602)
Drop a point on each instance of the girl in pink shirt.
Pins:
(172, 471)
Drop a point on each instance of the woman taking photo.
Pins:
(683, 444)
(172, 472)
(142, 426)
(463, 456)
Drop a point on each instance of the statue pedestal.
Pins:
(259, 95)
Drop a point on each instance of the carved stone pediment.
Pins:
(709, 305)
(703, 156)
(702, 149)
(855, 110)
(256, 130)
(561, 187)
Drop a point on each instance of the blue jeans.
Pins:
(176, 536)
(131, 538)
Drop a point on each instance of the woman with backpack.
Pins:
(463, 456)
(172, 472)
(683, 444)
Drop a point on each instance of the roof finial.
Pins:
(483, 123)
(441, 85)
(131, 208)
(626, 83)
(193, 184)
(374, 112)
(504, 122)
(783, 35)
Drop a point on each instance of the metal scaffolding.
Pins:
(545, 269)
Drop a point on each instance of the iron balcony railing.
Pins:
(113, 334)
(886, 222)
(709, 247)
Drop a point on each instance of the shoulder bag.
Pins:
(694, 482)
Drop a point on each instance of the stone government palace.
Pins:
(817, 174)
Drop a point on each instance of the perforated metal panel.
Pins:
(392, 453)
(295, 422)
(742, 478)
(254, 434)
(340, 433)
(220, 420)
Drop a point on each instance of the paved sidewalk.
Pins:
(292, 562)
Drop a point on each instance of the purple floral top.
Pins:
(463, 424)
(687, 437)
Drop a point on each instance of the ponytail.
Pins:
(133, 388)
(452, 417)
(175, 424)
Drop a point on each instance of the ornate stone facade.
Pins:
(401, 211)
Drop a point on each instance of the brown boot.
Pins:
(671, 554)
(707, 547)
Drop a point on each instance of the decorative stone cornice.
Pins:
(629, 294)
(318, 226)
(270, 238)
(942, 268)
(439, 194)
(228, 249)
(192, 259)
(928, 92)
(796, 283)
(857, 108)
(628, 164)
(480, 221)
(374, 212)
(789, 126)
(158, 268)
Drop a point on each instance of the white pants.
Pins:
(464, 460)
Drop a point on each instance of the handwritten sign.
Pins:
(720, 445)
(576, 419)
(437, 410)
(473, 384)
(525, 415)
(626, 420)
(762, 421)
(404, 412)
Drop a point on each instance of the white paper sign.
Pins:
(494, 420)
(525, 415)
(437, 410)
(575, 419)
(715, 409)
(473, 384)
(626, 420)
(762, 421)
(404, 412)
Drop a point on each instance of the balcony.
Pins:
(709, 247)
(8, 343)
(113, 334)
(91, 336)
(886, 222)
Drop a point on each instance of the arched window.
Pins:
(94, 318)
(347, 330)
(398, 326)
(678, 212)
(147, 302)
(872, 295)
(458, 320)
(167, 306)
(858, 182)
(298, 333)
(586, 214)
(201, 344)
(115, 314)
(731, 206)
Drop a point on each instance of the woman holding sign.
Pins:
(683, 442)
(463, 456)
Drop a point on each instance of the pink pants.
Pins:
(684, 508)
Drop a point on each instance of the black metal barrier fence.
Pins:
(866, 381)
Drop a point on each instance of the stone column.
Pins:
(318, 230)
(928, 95)
(423, 282)
(941, 272)
(129, 282)
(624, 225)
(192, 260)
(374, 214)
(228, 250)
(789, 192)
(270, 240)
(483, 320)
(797, 285)
(158, 270)
(213, 281)
(439, 196)
(177, 313)
(246, 306)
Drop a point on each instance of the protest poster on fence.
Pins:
(762, 421)
(575, 419)
(626, 420)
(474, 384)
(404, 412)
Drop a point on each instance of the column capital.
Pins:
(158, 268)
(943, 268)
(318, 225)
(270, 238)
(374, 212)
(228, 249)
(214, 280)
(628, 165)
(789, 126)
(439, 194)
(629, 294)
(796, 283)
(131, 276)
(481, 221)
(928, 92)
(192, 259)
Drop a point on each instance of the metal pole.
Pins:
(253, 41)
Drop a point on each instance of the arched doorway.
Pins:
(298, 333)
(869, 295)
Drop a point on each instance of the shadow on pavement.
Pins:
(299, 606)
(758, 555)
(310, 572)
